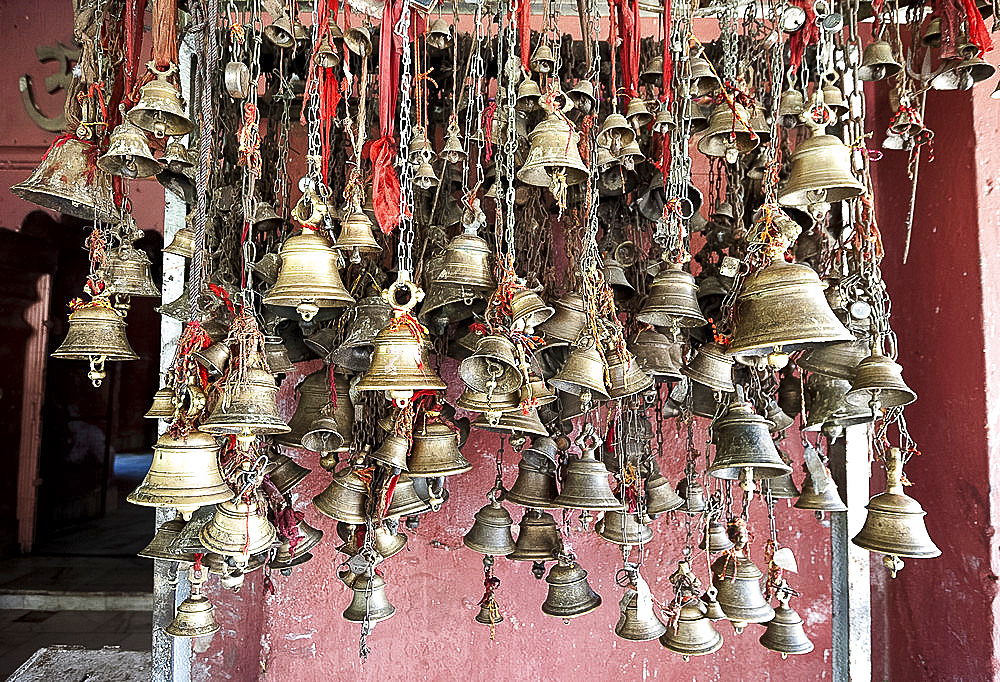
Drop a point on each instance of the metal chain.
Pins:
(404, 248)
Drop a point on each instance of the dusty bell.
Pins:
(622, 528)
(711, 366)
(586, 485)
(541, 59)
(782, 487)
(712, 609)
(370, 316)
(538, 538)
(128, 154)
(554, 151)
(496, 404)
(96, 333)
(820, 172)
(715, 539)
(833, 97)
(160, 109)
(356, 237)
(239, 528)
(195, 618)
(704, 81)
(820, 494)
(369, 603)
(624, 377)
(790, 106)
(529, 310)
(785, 632)
(781, 309)
(285, 557)
(528, 96)
(877, 62)
(183, 242)
(774, 414)
(673, 300)
(516, 422)
(637, 113)
(615, 133)
(66, 182)
(313, 395)
(309, 280)
(405, 500)
(323, 435)
(570, 595)
(693, 494)
(664, 122)
(490, 534)
(584, 373)
(737, 580)
(535, 486)
(838, 360)
(161, 546)
(582, 96)
(247, 407)
(728, 134)
(693, 633)
(743, 446)
(392, 453)
(345, 499)
(439, 34)
(128, 270)
(826, 408)
(661, 496)
(568, 320)
(358, 40)
(435, 451)
(878, 378)
(284, 472)
(895, 522)
(276, 355)
(656, 354)
(635, 626)
(163, 406)
(493, 368)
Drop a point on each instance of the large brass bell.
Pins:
(586, 484)
(128, 271)
(657, 355)
(195, 615)
(878, 378)
(128, 154)
(493, 367)
(622, 528)
(692, 634)
(781, 309)
(737, 580)
(96, 334)
(661, 496)
(309, 280)
(895, 522)
(64, 182)
(184, 474)
(538, 537)
(370, 316)
(356, 236)
(248, 407)
(673, 300)
(570, 595)
(369, 603)
(743, 447)
(435, 451)
(569, 319)
(711, 366)
(729, 133)
(635, 624)
(584, 373)
(784, 632)
(820, 172)
(160, 109)
(535, 485)
(554, 155)
(238, 529)
(624, 377)
(877, 63)
(490, 534)
(345, 499)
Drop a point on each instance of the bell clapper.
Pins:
(307, 310)
(747, 483)
(893, 563)
(97, 372)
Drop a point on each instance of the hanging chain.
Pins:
(407, 232)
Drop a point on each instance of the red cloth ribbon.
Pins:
(627, 12)
(385, 182)
(668, 57)
(805, 36)
(523, 19)
(978, 33)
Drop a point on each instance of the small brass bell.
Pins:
(820, 172)
(693, 493)
(238, 529)
(624, 378)
(878, 378)
(493, 367)
(673, 300)
(877, 63)
(963, 73)
(96, 333)
(309, 279)
(392, 453)
(838, 360)
(64, 182)
(405, 500)
(582, 96)
(195, 615)
(570, 595)
(586, 485)
(782, 487)
(704, 80)
(435, 452)
(743, 447)
(826, 408)
(657, 355)
(895, 522)
(737, 581)
(833, 97)
(439, 34)
(284, 472)
(325, 55)
(785, 633)
(693, 633)
(183, 242)
(369, 603)
(653, 73)
(615, 133)
(635, 626)
(163, 406)
(711, 366)
(623, 528)
(386, 543)
(790, 106)
(554, 155)
(584, 373)
(664, 122)
(932, 34)
(566, 323)
(528, 310)
(820, 495)
(637, 113)
(371, 315)
(345, 499)
(425, 178)
(161, 546)
(265, 219)
(128, 271)
(535, 486)
(356, 236)
(358, 40)
(661, 496)
(774, 414)
(712, 609)
(716, 539)
(517, 422)
(279, 32)
(184, 474)
(728, 134)
(323, 435)
(313, 395)
(536, 391)
(538, 538)
(248, 407)
(453, 152)
(128, 154)
(490, 534)
(160, 109)
(541, 59)
(286, 557)
(528, 96)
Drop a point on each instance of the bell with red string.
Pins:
(673, 300)
(96, 334)
(68, 181)
(737, 580)
(729, 133)
(493, 368)
(238, 529)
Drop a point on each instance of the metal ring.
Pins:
(237, 80)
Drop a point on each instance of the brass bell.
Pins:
(711, 366)
(279, 32)
(324, 436)
(820, 494)
(657, 355)
(737, 581)
(425, 177)
(781, 309)
(784, 632)
(538, 538)
(704, 80)
(877, 63)
(528, 96)
(128, 154)
(673, 300)
(183, 242)
(439, 34)
(453, 151)
(516, 422)
(554, 156)
(195, 615)
(65, 182)
(653, 73)
(637, 113)
(276, 356)
(541, 59)
(615, 133)
(370, 316)
(265, 218)
(369, 603)
(405, 500)
(345, 499)
(716, 539)
(163, 406)
(496, 404)
(728, 133)
(826, 408)
(638, 627)
(238, 528)
(963, 73)
(622, 528)
(712, 609)
(247, 407)
(160, 109)
(493, 367)
(820, 172)
(774, 414)
(435, 452)
(582, 97)
(489, 613)
(392, 453)
(356, 236)
(314, 394)
(614, 275)
(535, 486)
(692, 634)
(309, 279)
(325, 55)
(536, 391)
(128, 271)
(386, 544)
(878, 378)
(584, 373)
(586, 485)
(528, 310)
(184, 474)
(790, 106)
(490, 534)
(161, 546)
(932, 34)
(284, 472)
(782, 487)
(566, 323)
(96, 333)
(358, 40)
(704, 402)
(285, 557)
(833, 97)
(743, 447)
(664, 122)
(624, 378)
(838, 360)
(895, 522)
(693, 493)
(661, 496)
(569, 595)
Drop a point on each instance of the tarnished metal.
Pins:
(693, 633)
(554, 150)
(238, 529)
(535, 486)
(566, 323)
(820, 172)
(369, 603)
(711, 366)
(405, 500)
(785, 632)
(624, 377)
(715, 539)
(370, 316)
(128, 154)
(728, 132)
(95, 332)
(586, 485)
(880, 379)
(314, 394)
(743, 446)
(661, 496)
(878, 62)
(490, 534)
(622, 528)
(493, 367)
(284, 472)
(65, 182)
(538, 537)
(345, 499)
(570, 595)
(308, 282)
(160, 109)
(635, 627)
(249, 407)
(584, 372)
(128, 270)
(435, 451)
(392, 453)
(737, 581)
(673, 300)
(656, 354)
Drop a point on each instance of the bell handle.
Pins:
(164, 73)
(392, 295)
